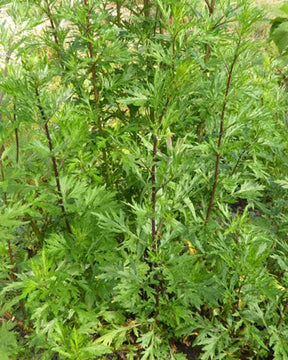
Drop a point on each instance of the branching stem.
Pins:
(221, 130)
(153, 177)
(95, 89)
(54, 162)
(53, 27)
(211, 8)
(210, 5)
(9, 317)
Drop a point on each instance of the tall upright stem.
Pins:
(54, 29)
(3, 174)
(54, 162)
(10, 252)
(221, 129)
(154, 189)
(2, 94)
(118, 9)
(154, 228)
(16, 132)
(201, 124)
(17, 144)
(211, 8)
(93, 67)
(155, 21)
(153, 178)
(11, 258)
(146, 5)
(95, 89)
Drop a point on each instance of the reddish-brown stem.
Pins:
(11, 258)
(153, 178)
(146, 5)
(210, 5)
(95, 90)
(9, 317)
(281, 315)
(93, 68)
(155, 21)
(220, 136)
(201, 124)
(10, 252)
(154, 189)
(155, 229)
(16, 136)
(52, 24)
(208, 53)
(211, 8)
(9, 53)
(17, 144)
(3, 174)
(54, 32)
(118, 8)
(54, 162)
(5, 75)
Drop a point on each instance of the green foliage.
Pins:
(143, 189)
(278, 31)
(8, 346)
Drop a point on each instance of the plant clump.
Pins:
(143, 181)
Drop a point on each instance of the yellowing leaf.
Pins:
(192, 250)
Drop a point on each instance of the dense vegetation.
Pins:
(144, 186)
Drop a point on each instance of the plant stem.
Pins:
(95, 89)
(155, 229)
(282, 315)
(35, 228)
(11, 259)
(240, 158)
(219, 142)
(155, 21)
(7, 59)
(16, 135)
(153, 178)
(201, 124)
(17, 144)
(3, 174)
(146, 8)
(54, 162)
(211, 8)
(118, 8)
(53, 27)
(10, 252)
(154, 190)
(9, 317)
